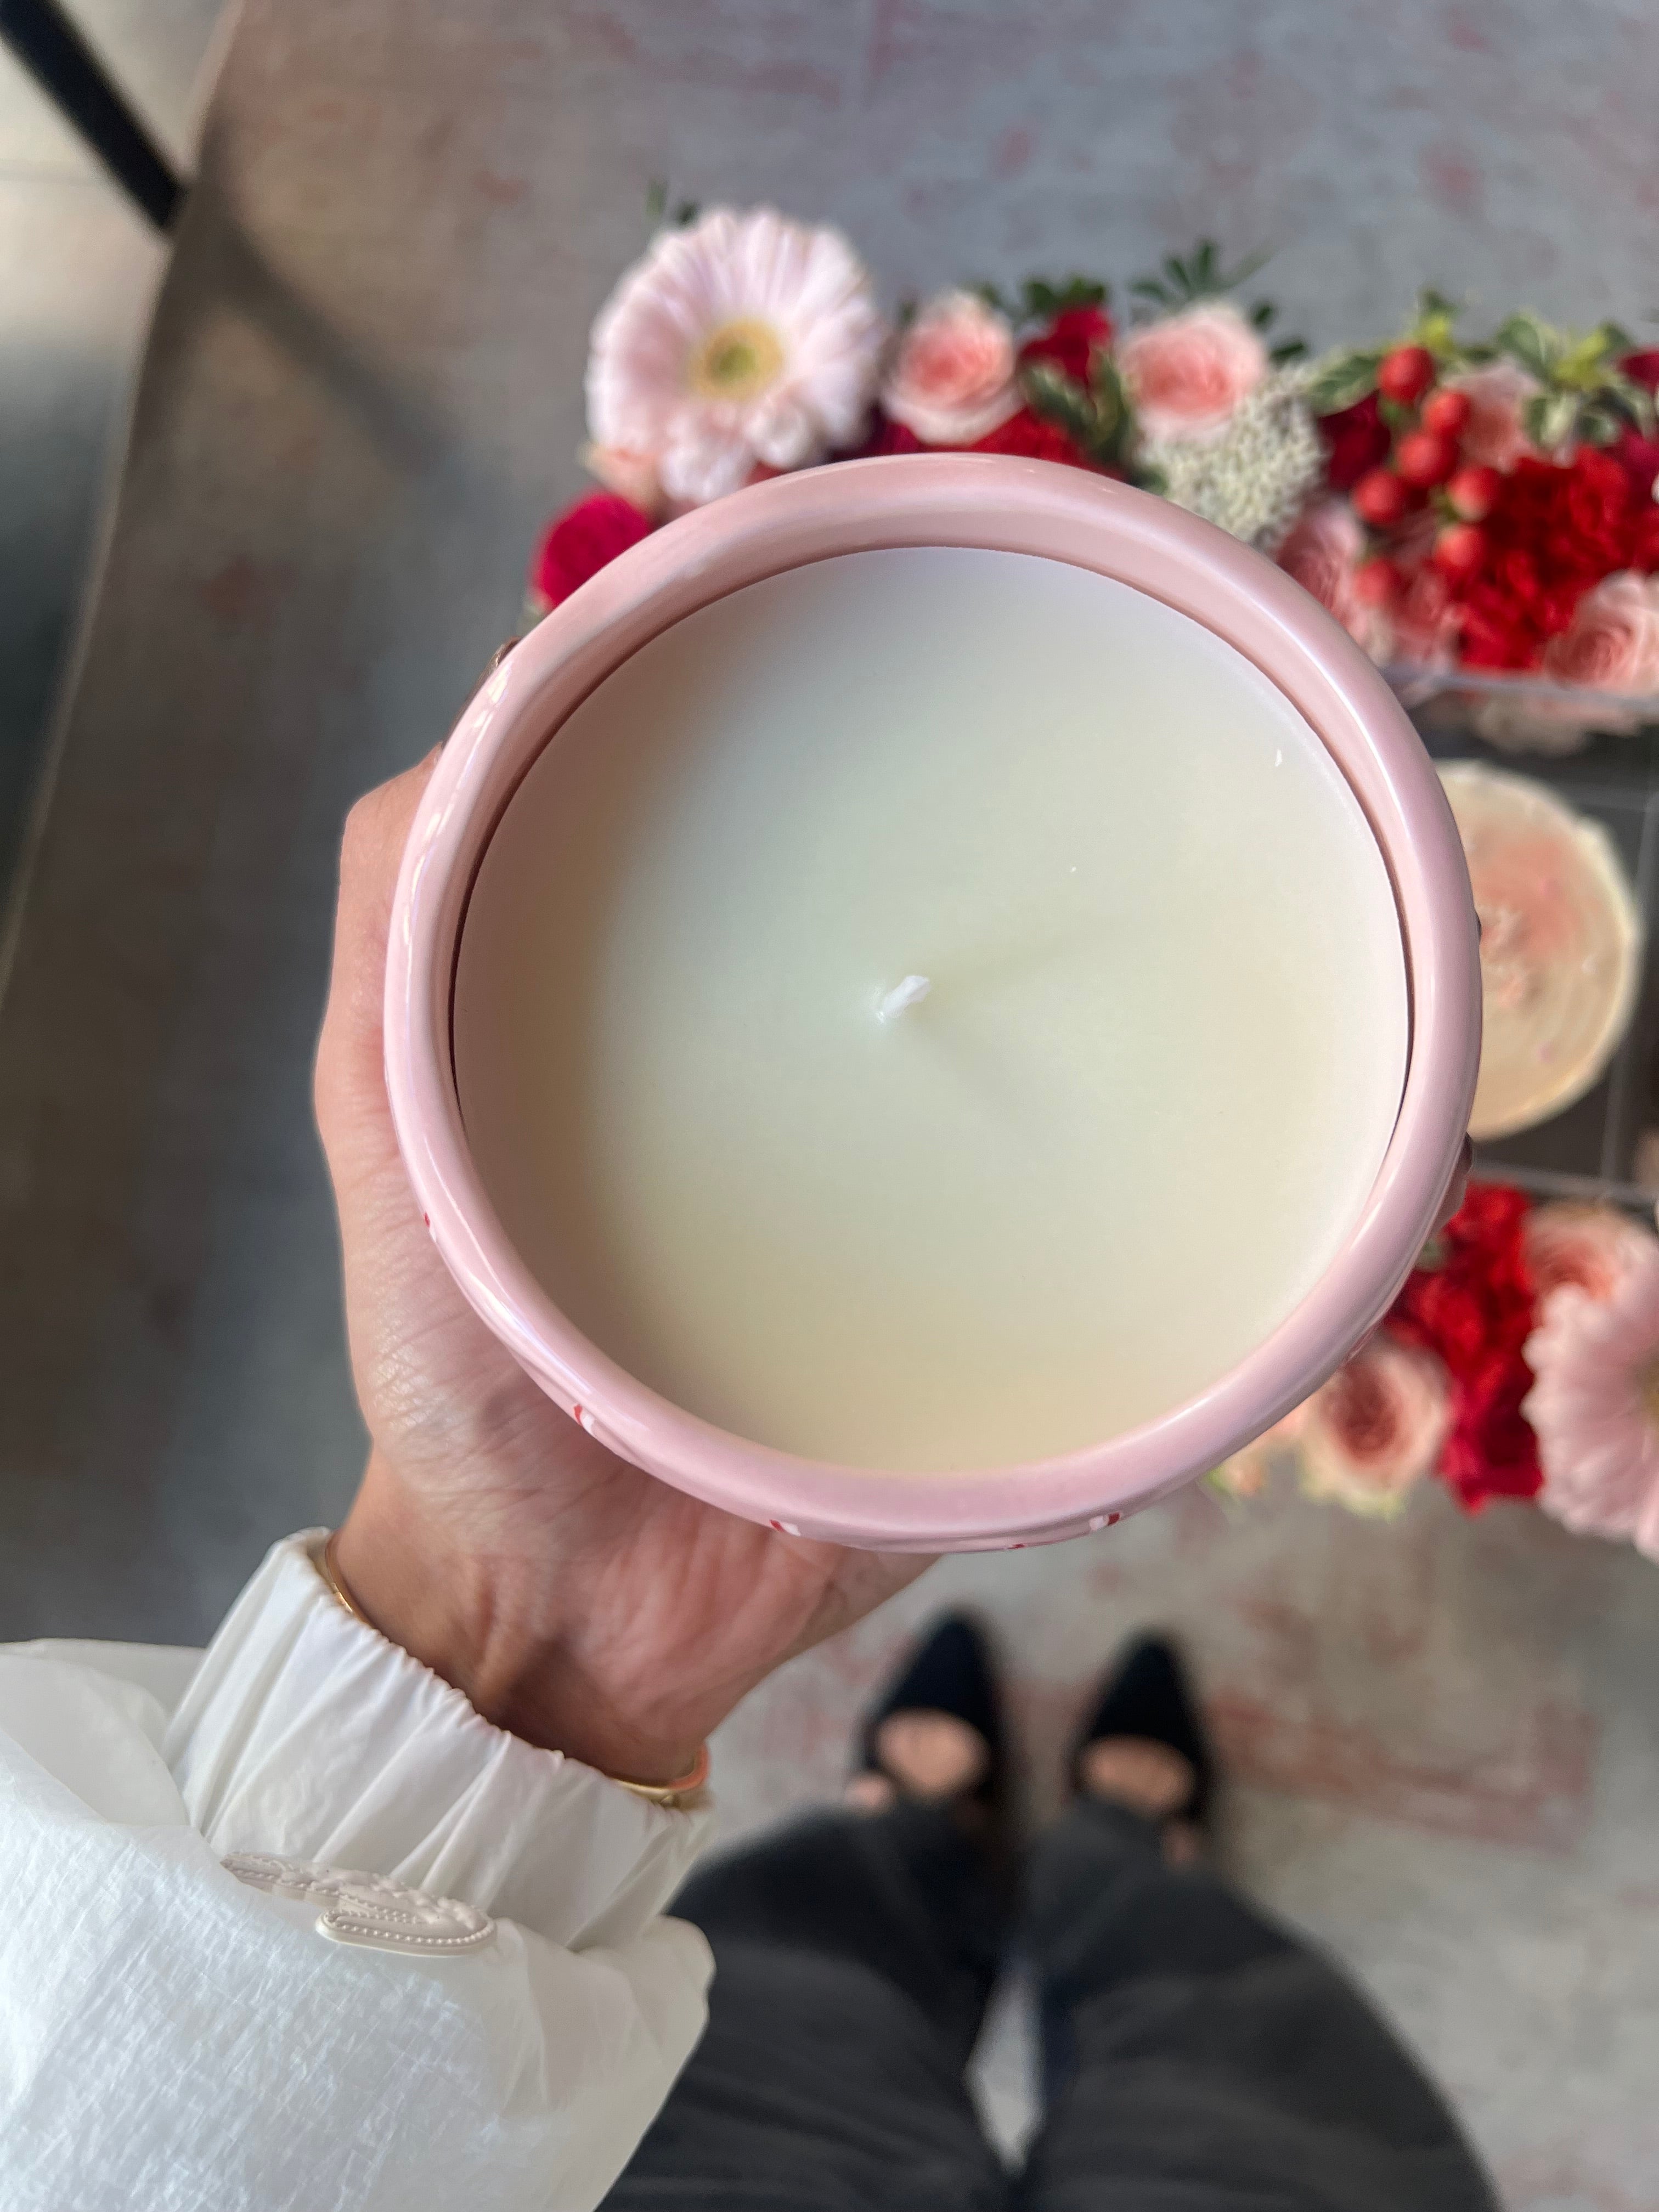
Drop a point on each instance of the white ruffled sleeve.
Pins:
(178, 2040)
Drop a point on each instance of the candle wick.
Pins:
(909, 993)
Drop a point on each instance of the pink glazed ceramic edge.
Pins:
(1024, 507)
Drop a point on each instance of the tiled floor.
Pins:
(362, 396)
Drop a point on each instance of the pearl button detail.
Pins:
(367, 1909)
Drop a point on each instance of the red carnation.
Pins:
(1026, 435)
(1555, 529)
(1032, 438)
(885, 436)
(1071, 341)
(1356, 440)
(581, 541)
(1491, 1451)
(1643, 369)
(1638, 457)
(1474, 1309)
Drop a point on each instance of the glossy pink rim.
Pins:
(1023, 506)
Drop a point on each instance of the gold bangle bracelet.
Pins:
(329, 1569)
(669, 1793)
(657, 1793)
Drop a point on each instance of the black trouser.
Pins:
(1196, 2055)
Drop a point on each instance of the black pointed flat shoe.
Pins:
(951, 1671)
(1147, 1695)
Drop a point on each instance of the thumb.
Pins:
(349, 1085)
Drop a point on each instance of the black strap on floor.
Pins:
(73, 78)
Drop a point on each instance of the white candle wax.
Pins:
(930, 1008)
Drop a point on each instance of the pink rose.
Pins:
(1426, 619)
(1612, 643)
(952, 381)
(1188, 373)
(1323, 551)
(1376, 1428)
(1582, 1248)
(1493, 438)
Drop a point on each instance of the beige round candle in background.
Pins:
(1560, 945)
(945, 1009)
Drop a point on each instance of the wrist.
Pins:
(504, 1642)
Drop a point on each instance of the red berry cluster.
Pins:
(1425, 467)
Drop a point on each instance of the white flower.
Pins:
(953, 379)
(740, 341)
(1253, 476)
(1595, 1407)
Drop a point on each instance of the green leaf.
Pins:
(1112, 410)
(1199, 276)
(1262, 313)
(1634, 400)
(1582, 362)
(657, 213)
(1598, 425)
(1043, 298)
(1548, 418)
(1436, 326)
(1343, 378)
(1052, 394)
(1083, 292)
(1292, 349)
(1560, 422)
(1230, 280)
(1522, 337)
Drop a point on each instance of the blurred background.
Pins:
(271, 475)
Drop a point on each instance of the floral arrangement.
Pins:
(1481, 508)
(1484, 506)
(1521, 1360)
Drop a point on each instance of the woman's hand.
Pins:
(576, 1602)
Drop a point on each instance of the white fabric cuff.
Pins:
(306, 1734)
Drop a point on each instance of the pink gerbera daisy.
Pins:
(1594, 1406)
(740, 343)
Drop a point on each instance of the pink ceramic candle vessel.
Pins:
(1057, 514)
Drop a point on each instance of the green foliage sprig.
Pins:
(1040, 298)
(1096, 416)
(1583, 394)
(1182, 280)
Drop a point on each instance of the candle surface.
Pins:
(1129, 1118)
